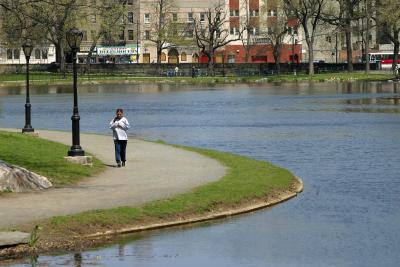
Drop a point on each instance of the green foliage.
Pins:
(34, 237)
(110, 21)
(43, 157)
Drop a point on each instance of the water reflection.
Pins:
(99, 88)
(299, 88)
(78, 260)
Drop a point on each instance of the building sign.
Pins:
(117, 50)
(85, 48)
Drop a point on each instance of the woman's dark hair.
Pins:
(119, 110)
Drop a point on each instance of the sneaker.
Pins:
(123, 164)
(119, 165)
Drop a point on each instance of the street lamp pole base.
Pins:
(28, 129)
(74, 152)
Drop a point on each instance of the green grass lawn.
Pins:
(59, 78)
(44, 157)
(339, 76)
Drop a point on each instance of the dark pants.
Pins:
(120, 150)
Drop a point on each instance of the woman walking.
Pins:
(119, 125)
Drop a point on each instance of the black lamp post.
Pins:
(294, 34)
(137, 41)
(27, 47)
(74, 38)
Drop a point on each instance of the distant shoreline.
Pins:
(57, 79)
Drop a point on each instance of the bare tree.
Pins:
(309, 14)
(342, 14)
(50, 20)
(367, 13)
(56, 17)
(277, 30)
(388, 18)
(248, 28)
(212, 35)
(111, 22)
(163, 28)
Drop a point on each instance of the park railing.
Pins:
(52, 72)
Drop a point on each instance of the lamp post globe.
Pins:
(74, 38)
(27, 47)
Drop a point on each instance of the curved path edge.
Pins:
(261, 204)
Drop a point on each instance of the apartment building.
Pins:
(180, 14)
(10, 54)
(135, 42)
(260, 17)
(125, 48)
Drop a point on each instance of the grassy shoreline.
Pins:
(59, 79)
(45, 158)
(247, 182)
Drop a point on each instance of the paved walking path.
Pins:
(153, 171)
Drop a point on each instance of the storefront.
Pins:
(118, 54)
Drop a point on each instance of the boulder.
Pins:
(17, 179)
(13, 238)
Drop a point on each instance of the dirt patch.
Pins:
(83, 238)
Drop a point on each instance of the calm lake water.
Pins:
(342, 139)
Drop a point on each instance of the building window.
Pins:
(130, 17)
(174, 17)
(147, 35)
(183, 56)
(293, 30)
(254, 13)
(231, 58)
(9, 54)
(122, 36)
(254, 31)
(130, 2)
(16, 53)
(234, 31)
(234, 12)
(147, 18)
(202, 17)
(190, 17)
(44, 54)
(163, 57)
(271, 13)
(37, 53)
(328, 39)
(130, 35)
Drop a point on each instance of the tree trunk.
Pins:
(368, 16)
(90, 53)
(210, 64)
(277, 58)
(395, 51)
(159, 51)
(349, 49)
(396, 45)
(310, 57)
(248, 47)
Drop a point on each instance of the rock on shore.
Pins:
(17, 179)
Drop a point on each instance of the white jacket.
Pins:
(119, 128)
